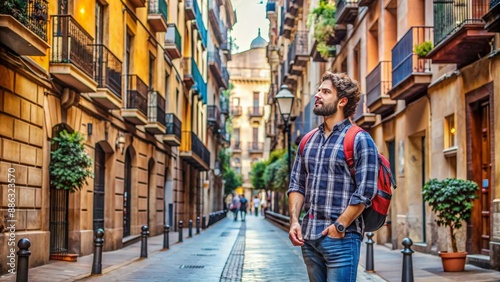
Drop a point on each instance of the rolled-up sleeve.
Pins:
(366, 166)
(298, 176)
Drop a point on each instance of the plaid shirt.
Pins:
(321, 174)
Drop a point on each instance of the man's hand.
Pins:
(332, 232)
(295, 234)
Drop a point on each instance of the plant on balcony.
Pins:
(323, 18)
(15, 8)
(70, 165)
(452, 200)
(423, 48)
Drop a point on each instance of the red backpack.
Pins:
(374, 216)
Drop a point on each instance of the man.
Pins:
(235, 205)
(256, 204)
(243, 207)
(331, 231)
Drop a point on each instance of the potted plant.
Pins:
(423, 48)
(70, 165)
(323, 18)
(452, 201)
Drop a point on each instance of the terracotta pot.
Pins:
(453, 261)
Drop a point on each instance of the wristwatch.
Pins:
(340, 227)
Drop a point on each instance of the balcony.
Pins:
(378, 83)
(193, 78)
(156, 113)
(173, 41)
(136, 109)
(158, 15)
(362, 117)
(365, 3)
(138, 3)
(172, 135)
(108, 74)
(198, 23)
(255, 147)
(338, 36)
(236, 146)
(411, 74)
(492, 17)
(215, 65)
(225, 138)
(189, 10)
(347, 11)
(194, 152)
(213, 117)
(255, 112)
(236, 111)
(71, 59)
(224, 107)
(287, 77)
(273, 90)
(299, 52)
(459, 34)
(225, 77)
(225, 45)
(214, 18)
(25, 31)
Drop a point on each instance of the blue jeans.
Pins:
(332, 259)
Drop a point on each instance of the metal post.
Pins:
(23, 260)
(190, 228)
(289, 137)
(203, 222)
(407, 261)
(98, 243)
(369, 253)
(197, 225)
(144, 241)
(166, 232)
(180, 230)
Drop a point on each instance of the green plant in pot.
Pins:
(423, 48)
(323, 18)
(452, 201)
(70, 165)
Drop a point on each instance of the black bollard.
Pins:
(190, 228)
(180, 230)
(197, 225)
(407, 261)
(204, 222)
(144, 241)
(23, 256)
(369, 252)
(166, 232)
(98, 243)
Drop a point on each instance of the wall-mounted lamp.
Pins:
(89, 129)
(120, 142)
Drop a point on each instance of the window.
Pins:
(255, 134)
(236, 101)
(449, 132)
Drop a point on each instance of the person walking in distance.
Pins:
(256, 204)
(235, 206)
(320, 181)
(243, 207)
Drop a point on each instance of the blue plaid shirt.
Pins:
(321, 174)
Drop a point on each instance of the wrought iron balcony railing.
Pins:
(450, 15)
(225, 76)
(107, 70)
(213, 115)
(156, 107)
(254, 146)
(173, 125)
(236, 111)
(173, 37)
(158, 7)
(404, 59)
(71, 44)
(32, 14)
(378, 82)
(137, 94)
(191, 142)
(224, 106)
(255, 111)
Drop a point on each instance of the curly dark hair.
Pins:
(346, 87)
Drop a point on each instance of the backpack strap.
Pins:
(304, 140)
(349, 147)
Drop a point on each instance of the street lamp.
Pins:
(284, 99)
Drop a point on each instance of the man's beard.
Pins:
(326, 109)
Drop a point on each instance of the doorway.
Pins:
(126, 194)
(479, 119)
(99, 176)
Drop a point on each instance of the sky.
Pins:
(250, 15)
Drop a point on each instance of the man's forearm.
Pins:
(350, 214)
(295, 203)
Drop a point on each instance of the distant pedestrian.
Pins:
(243, 207)
(256, 204)
(332, 228)
(234, 206)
